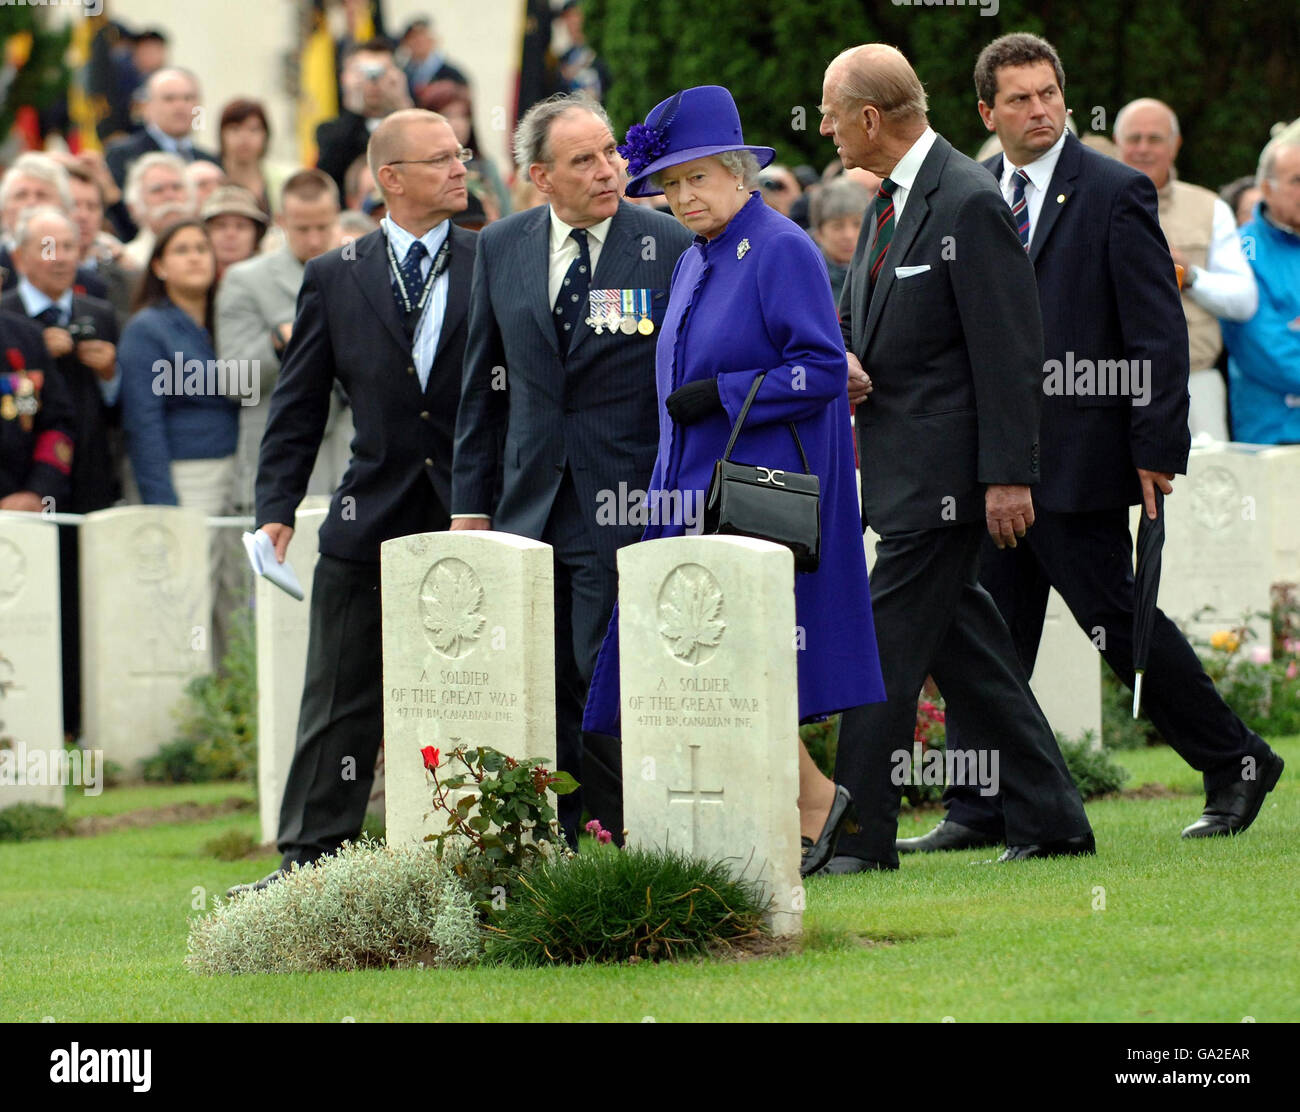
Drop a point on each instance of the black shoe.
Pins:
(1230, 810)
(1085, 845)
(947, 835)
(814, 857)
(841, 865)
(258, 885)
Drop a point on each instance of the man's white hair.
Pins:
(1268, 159)
(133, 190)
(39, 166)
(30, 216)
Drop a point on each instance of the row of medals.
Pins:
(26, 406)
(618, 322)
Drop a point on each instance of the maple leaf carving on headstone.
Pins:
(451, 609)
(689, 613)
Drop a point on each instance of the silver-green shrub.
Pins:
(366, 907)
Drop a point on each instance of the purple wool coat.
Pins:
(757, 298)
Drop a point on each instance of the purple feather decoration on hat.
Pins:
(642, 146)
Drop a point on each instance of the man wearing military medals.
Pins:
(36, 421)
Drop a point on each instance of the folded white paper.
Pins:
(909, 271)
(261, 557)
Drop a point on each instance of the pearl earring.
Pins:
(740, 185)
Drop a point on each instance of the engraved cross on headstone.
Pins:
(696, 797)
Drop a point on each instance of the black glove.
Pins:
(693, 402)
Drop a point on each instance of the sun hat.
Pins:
(232, 200)
(694, 123)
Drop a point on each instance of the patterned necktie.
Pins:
(573, 293)
(414, 280)
(884, 225)
(51, 316)
(1019, 206)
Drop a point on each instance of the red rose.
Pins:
(430, 755)
(16, 360)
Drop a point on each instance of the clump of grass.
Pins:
(634, 904)
(27, 822)
(230, 845)
(367, 906)
(1093, 770)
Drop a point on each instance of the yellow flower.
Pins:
(1225, 640)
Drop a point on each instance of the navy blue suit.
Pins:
(536, 455)
(1107, 291)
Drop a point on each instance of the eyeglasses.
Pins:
(773, 185)
(438, 162)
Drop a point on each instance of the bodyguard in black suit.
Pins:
(401, 370)
(552, 413)
(1109, 297)
(940, 320)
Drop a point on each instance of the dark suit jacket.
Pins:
(347, 329)
(86, 278)
(1108, 291)
(119, 156)
(339, 142)
(38, 458)
(95, 483)
(954, 353)
(595, 412)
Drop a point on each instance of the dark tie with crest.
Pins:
(571, 302)
(414, 280)
(884, 226)
(1020, 207)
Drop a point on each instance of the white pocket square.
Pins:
(908, 271)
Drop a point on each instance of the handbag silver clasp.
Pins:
(766, 475)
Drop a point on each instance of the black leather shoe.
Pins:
(841, 816)
(844, 864)
(1230, 810)
(947, 835)
(257, 885)
(1085, 845)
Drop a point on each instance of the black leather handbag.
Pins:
(749, 500)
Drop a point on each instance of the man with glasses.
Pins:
(385, 317)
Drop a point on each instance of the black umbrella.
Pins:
(1150, 542)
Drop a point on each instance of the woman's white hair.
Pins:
(742, 164)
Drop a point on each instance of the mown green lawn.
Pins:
(95, 929)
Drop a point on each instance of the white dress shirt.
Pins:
(564, 250)
(1225, 286)
(1040, 173)
(903, 175)
(34, 301)
(182, 147)
(429, 328)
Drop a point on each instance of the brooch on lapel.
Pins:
(741, 248)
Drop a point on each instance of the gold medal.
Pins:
(646, 326)
(628, 325)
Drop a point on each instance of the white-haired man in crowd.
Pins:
(157, 193)
(1202, 234)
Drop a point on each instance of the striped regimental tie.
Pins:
(1020, 207)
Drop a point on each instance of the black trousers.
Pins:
(585, 592)
(70, 626)
(341, 722)
(1088, 558)
(933, 617)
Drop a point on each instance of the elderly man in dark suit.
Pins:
(384, 317)
(948, 439)
(1109, 299)
(80, 335)
(171, 100)
(553, 412)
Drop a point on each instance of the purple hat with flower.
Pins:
(694, 123)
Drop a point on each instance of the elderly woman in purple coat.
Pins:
(752, 295)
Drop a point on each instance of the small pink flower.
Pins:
(594, 828)
(1290, 670)
(604, 837)
(1259, 654)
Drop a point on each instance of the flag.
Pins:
(536, 77)
(318, 91)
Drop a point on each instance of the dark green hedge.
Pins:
(1228, 67)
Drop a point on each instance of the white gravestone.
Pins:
(469, 659)
(1282, 467)
(710, 708)
(31, 692)
(145, 607)
(282, 626)
(1220, 525)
